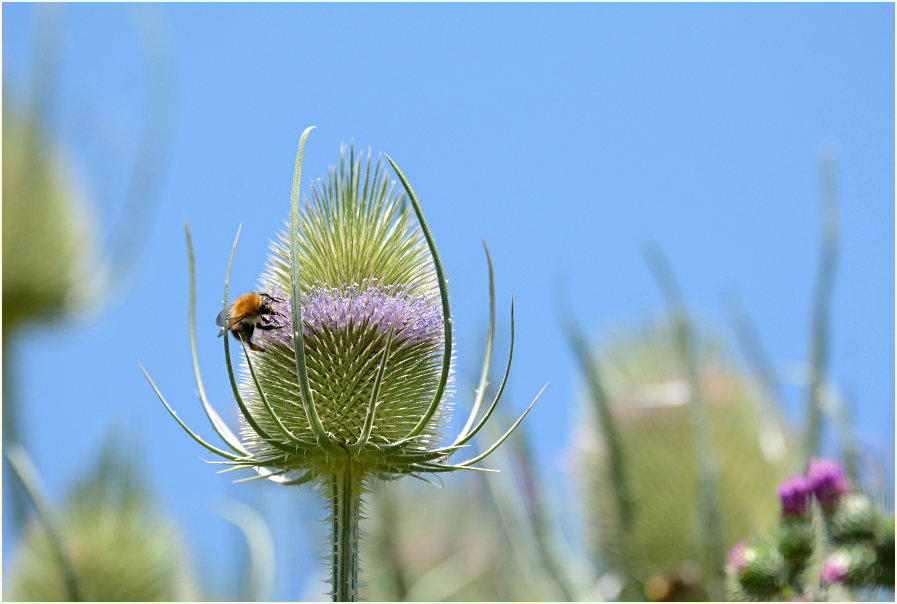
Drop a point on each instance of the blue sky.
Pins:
(567, 136)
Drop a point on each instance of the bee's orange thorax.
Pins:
(246, 305)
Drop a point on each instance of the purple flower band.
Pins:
(369, 306)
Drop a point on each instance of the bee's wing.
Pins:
(219, 321)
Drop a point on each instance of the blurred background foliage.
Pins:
(672, 422)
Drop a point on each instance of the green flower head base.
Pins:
(356, 361)
(346, 331)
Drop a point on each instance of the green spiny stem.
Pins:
(344, 488)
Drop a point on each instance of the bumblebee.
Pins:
(249, 312)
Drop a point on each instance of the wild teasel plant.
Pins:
(350, 382)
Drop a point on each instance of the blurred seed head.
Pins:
(49, 247)
(648, 394)
(121, 547)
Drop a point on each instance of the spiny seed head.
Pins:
(365, 272)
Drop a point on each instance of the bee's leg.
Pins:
(256, 347)
(267, 326)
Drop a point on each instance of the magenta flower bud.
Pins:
(795, 495)
(834, 569)
(736, 560)
(827, 481)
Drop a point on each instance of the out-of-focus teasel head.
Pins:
(636, 454)
(107, 542)
(348, 378)
(48, 249)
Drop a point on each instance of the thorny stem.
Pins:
(344, 488)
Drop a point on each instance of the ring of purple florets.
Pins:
(415, 318)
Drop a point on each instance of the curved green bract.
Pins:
(211, 448)
(217, 423)
(314, 421)
(375, 394)
(446, 311)
(487, 355)
(268, 408)
(263, 434)
(498, 442)
(462, 438)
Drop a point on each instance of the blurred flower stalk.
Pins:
(348, 380)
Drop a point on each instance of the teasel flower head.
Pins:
(349, 377)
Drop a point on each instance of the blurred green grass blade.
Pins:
(606, 423)
(828, 256)
(27, 473)
(260, 576)
(155, 143)
(749, 342)
(532, 490)
(836, 408)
